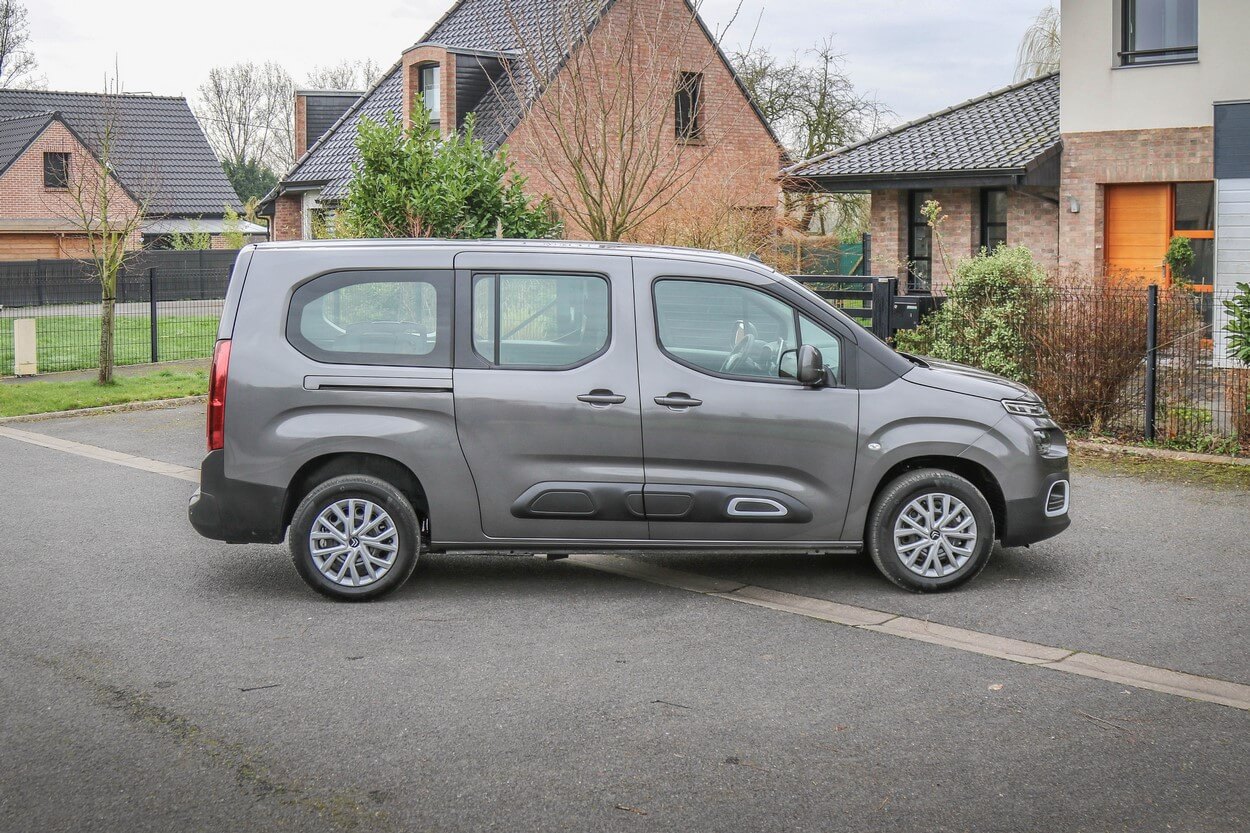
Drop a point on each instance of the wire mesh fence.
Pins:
(166, 308)
(1127, 362)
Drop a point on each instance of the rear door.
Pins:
(546, 395)
(736, 449)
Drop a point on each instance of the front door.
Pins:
(546, 395)
(736, 449)
(1138, 227)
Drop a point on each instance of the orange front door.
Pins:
(1139, 225)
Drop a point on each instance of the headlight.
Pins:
(1025, 408)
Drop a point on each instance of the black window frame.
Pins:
(441, 279)
(796, 313)
(986, 225)
(56, 169)
(688, 123)
(1129, 56)
(915, 219)
(496, 274)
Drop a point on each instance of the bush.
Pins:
(992, 307)
(416, 183)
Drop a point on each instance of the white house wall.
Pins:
(1232, 250)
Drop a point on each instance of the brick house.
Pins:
(1143, 135)
(472, 61)
(161, 160)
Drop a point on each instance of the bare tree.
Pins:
(1038, 53)
(103, 212)
(814, 107)
(17, 62)
(600, 100)
(247, 110)
(347, 74)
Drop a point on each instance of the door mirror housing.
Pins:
(811, 366)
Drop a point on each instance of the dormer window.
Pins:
(56, 170)
(1159, 32)
(428, 87)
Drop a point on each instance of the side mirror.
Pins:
(811, 366)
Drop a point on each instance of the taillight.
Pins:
(217, 395)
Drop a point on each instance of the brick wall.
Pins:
(737, 158)
(301, 124)
(24, 197)
(887, 224)
(1033, 222)
(1092, 160)
(288, 217)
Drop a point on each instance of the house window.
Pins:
(1159, 31)
(688, 106)
(56, 170)
(993, 218)
(428, 86)
(919, 243)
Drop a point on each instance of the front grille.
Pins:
(1057, 499)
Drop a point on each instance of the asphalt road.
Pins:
(153, 680)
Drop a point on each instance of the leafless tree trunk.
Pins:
(603, 119)
(107, 216)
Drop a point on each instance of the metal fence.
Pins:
(168, 304)
(1132, 363)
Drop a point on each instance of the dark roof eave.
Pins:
(908, 180)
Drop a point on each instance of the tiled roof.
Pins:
(161, 153)
(17, 133)
(1005, 130)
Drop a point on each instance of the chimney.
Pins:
(316, 111)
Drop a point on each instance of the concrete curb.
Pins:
(1159, 453)
(145, 405)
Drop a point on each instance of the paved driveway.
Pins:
(153, 680)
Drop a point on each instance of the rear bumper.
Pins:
(235, 511)
(1027, 520)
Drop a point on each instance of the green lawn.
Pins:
(70, 342)
(18, 398)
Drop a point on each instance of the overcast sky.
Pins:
(916, 55)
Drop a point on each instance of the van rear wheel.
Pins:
(354, 538)
(930, 530)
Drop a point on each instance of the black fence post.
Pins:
(865, 263)
(1152, 357)
(883, 292)
(152, 317)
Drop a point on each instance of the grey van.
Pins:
(381, 399)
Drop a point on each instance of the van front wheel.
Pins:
(930, 530)
(355, 538)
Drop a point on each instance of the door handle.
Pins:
(601, 397)
(678, 401)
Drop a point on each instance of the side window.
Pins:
(829, 345)
(724, 328)
(374, 317)
(540, 320)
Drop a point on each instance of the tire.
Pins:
(349, 551)
(962, 546)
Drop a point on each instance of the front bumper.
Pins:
(233, 510)
(1027, 521)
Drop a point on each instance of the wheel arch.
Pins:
(322, 468)
(970, 470)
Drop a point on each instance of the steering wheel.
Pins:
(741, 350)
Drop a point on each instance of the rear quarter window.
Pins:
(379, 317)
